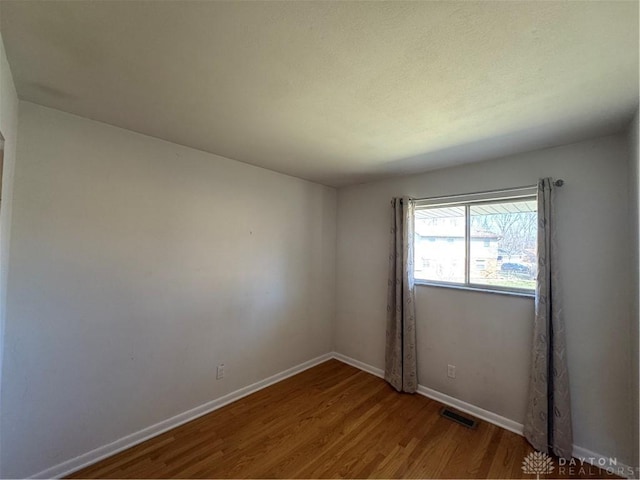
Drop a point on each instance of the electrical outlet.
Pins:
(220, 371)
(451, 371)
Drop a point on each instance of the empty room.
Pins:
(319, 239)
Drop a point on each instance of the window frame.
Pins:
(467, 201)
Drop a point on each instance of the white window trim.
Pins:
(475, 288)
(466, 200)
(487, 196)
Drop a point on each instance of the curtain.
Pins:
(400, 353)
(548, 418)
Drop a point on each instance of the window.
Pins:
(485, 241)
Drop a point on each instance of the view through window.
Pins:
(488, 244)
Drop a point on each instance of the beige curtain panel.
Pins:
(400, 356)
(548, 418)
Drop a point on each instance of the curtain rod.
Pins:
(557, 183)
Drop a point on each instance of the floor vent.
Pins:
(458, 418)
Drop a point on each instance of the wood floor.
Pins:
(332, 421)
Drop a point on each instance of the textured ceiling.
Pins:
(335, 92)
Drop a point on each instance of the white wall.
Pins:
(137, 266)
(9, 130)
(634, 203)
(488, 336)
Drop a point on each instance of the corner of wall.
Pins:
(334, 319)
(9, 129)
(634, 222)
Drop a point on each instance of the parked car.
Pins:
(516, 268)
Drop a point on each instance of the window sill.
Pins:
(511, 293)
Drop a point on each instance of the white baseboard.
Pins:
(66, 468)
(378, 372)
(472, 410)
(580, 453)
(611, 464)
(465, 407)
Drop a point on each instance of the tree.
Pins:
(517, 231)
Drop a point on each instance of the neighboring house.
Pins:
(440, 250)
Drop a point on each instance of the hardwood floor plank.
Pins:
(468, 457)
(331, 421)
